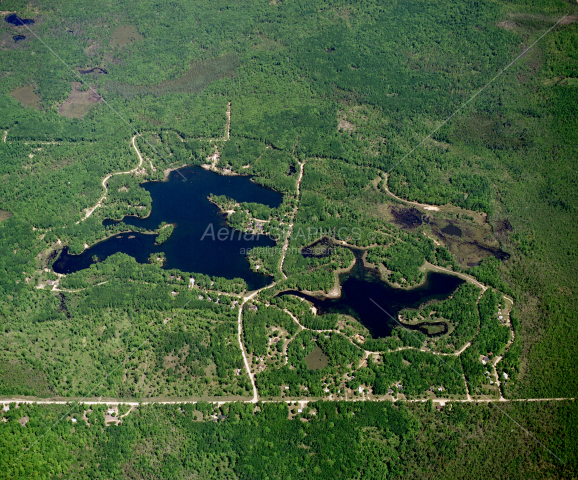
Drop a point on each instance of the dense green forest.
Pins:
(355, 96)
(323, 440)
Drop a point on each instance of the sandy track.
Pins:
(290, 229)
(89, 211)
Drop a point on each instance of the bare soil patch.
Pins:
(125, 35)
(4, 214)
(27, 96)
(344, 125)
(79, 102)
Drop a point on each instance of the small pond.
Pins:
(451, 229)
(16, 20)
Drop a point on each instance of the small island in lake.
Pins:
(165, 231)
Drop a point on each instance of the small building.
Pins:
(173, 293)
(505, 375)
(73, 420)
(200, 297)
(390, 391)
(191, 282)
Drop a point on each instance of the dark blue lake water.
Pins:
(185, 204)
(362, 285)
(16, 20)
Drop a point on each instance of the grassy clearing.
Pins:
(27, 96)
(125, 35)
(79, 102)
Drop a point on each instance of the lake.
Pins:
(194, 245)
(363, 284)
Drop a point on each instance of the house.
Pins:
(73, 420)
(485, 360)
(505, 375)
(440, 389)
(200, 297)
(173, 293)
(191, 282)
(6, 408)
(300, 410)
(253, 307)
(360, 389)
(390, 391)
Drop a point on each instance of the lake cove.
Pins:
(362, 284)
(195, 245)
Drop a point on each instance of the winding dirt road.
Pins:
(90, 210)
(290, 228)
